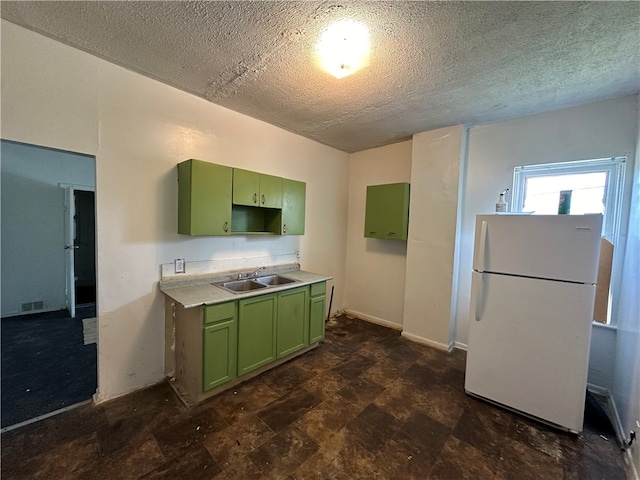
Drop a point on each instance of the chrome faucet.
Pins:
(254, 274)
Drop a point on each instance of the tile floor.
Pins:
(365, 404)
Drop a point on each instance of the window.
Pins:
(595, 186)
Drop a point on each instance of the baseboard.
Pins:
(461, 346)
(372, 319)
(429, 343)
(612, 413)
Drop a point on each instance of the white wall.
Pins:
(429, 281)
(626, 381)
(33, 235)
(375, 267)
(139, 129)
(602, 129)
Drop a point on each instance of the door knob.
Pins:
(67, 247)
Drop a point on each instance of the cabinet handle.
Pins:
(255, 198)
(263, 200)
(372, 233)
(392, 234)
(225, 227)
(284, 228)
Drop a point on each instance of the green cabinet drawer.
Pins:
(293, 321)
(318, 288)
(223, 311)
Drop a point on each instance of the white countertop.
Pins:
(194, 291)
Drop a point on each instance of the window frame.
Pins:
(614, 188)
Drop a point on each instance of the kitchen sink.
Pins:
(240, 286)
(273, 280)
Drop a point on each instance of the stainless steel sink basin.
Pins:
(240, 286)
(272, 280)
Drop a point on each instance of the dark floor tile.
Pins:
(385, 371)
(11, 448)
(318, 360)
(395, 460)
(537, 436)
(422, 436)
(70, 460)
(243, 400)
(237, 440)
(239, 468)
(288, 408)
(422, 376)
(460, 461)
(484, 427)
(127, 432)
(131, 462)
(453, 377)
(286, 377)
(353, 366)
(520, 462)
(592, 469)
(174, 440)
(327, 418)
(53, 431)
(325, 384)
(146, 403)
(195, 464)
(282, 454)
(372, 428)
(361, 391)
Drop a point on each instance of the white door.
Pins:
(529, 344)
(69, 248)
(564, 247)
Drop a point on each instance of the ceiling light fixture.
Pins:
(344, 48)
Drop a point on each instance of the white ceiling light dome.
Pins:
(344, 48)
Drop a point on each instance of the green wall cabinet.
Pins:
(317, 306)
(387, 211)
(204, 198)
(293, 207)
(256, 332)
(256, 189)
(220, 341)
(293, 321)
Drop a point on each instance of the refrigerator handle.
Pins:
(478, 294)
(483, 244)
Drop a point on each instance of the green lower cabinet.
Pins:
(293, 321)
(219, 357)
(219, 349)
(317, 306)
(256, 332)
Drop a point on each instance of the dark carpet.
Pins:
(45, 365)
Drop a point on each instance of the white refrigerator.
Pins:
(533, 290)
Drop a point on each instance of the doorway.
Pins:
(49, 363)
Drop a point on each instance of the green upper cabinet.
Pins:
(256, 189)
(204, 198)
(290, 219)
(387, 211)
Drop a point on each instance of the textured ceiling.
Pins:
(433, 64)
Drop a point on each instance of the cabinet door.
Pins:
(219, 353)
(270, 191)
(256, 332)
(293, 321)
(246, 187)
(387, 211)
(204, 198)
(293, 207)
(316, 318)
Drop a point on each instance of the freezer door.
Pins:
(563, 247)
(529, 345)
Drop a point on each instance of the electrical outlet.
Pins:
(179, 265)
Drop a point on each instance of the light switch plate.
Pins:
(179, 265)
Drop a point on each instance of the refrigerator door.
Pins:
(529, 344)
(562, 247)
